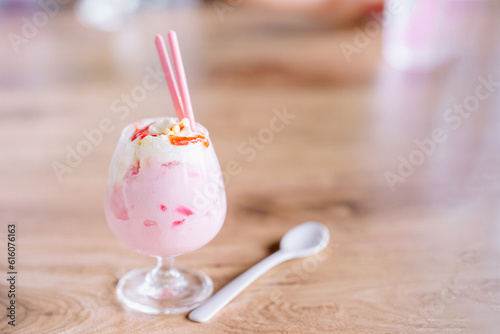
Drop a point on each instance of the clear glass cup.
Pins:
(164, 202)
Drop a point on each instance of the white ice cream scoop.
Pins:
(303, 240)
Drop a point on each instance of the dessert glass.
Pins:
(164, 201)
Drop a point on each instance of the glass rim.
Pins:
(127, 141)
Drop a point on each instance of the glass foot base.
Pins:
(181, 290)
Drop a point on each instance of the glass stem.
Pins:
(165, 263)
(165, 275)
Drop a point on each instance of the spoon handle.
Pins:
(215, 303)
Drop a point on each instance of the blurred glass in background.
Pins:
(438, 97)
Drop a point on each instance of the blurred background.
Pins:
(392, 137)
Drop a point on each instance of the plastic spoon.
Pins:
(303, 240)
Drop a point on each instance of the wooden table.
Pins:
(422, 257)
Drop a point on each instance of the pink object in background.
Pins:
(420, 35)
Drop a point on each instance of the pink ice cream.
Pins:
(165, 195)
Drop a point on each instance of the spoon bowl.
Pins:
(305, 239)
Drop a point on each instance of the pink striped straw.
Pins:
(168, 72)
(181, 77)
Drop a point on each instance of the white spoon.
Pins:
(303, 240)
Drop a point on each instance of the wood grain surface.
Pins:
(422, 257)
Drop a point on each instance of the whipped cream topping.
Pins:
(163, 139)
(159, 134)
